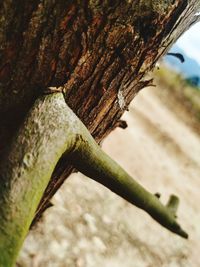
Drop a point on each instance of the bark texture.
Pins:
(98, 50)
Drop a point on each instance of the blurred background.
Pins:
(90, 226)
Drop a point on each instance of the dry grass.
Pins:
(178, 95)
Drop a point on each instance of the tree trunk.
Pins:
(99, 51)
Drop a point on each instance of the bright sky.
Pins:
(190, 42)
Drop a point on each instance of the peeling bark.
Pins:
(94, 49)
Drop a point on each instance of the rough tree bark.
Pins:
(99, 51)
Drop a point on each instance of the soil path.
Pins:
(90, 226)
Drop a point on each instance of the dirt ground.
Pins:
(90, 226)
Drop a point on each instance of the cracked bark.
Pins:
(92, 48)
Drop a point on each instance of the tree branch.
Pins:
(93, 162)
(50, 130)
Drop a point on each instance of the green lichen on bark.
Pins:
(46, 134)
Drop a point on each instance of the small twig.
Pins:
(121, 124)
(173, 204)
